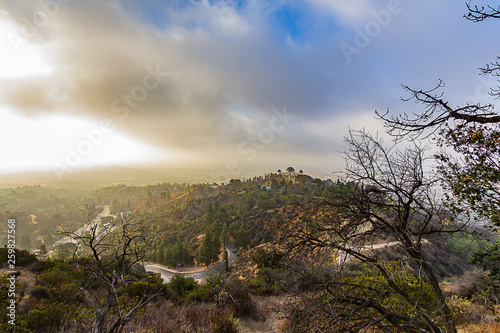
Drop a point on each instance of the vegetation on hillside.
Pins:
(390, 246)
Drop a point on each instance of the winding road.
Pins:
(197, 274)
(105, 212)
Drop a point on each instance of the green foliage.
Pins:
(233, 293)
(489, 259)
(377, 297)
(371, 284)
(48, 314)
(187, 290)
(22, 257)
(178, 254)
(465, 245)
(56, 302)
(474, 176)
(209, 250)
(60, 272)
(271, 258)
(182, 285)
(269, 281)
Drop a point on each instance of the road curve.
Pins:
(167, 274)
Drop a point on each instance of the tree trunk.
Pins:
(443, 306)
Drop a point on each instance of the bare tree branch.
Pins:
(437, 114)
(116, 260)
(387, 196)
(481, 13)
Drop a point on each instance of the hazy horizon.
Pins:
(149, 175)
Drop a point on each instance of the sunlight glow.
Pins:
(18, 57)
(68, 142)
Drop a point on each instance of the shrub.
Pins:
(199, 295)
(232, 293)
(23, 257)
(182, 286)
(472, 283)
(40, 292)
(60, 273)
(271, 258)
(466, 312)
(200, 318)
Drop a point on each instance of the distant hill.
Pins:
(106, 176)
(97, 177)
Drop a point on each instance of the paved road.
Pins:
(167, 274)
(105, 212)
(344, 257)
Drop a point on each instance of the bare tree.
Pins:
(387, 197)
(358, 298)
(111, 258)
(437, 114)
(469, 136)
(439, 111)
(481, 13)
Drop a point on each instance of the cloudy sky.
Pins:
(226, 84)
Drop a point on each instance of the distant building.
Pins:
(290, 169)
(279, 171)
(301, 172)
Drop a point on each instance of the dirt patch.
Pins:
(267, 308)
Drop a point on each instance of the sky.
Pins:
(221, 84)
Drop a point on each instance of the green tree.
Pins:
(469, 136)
(169, 258)
(209, 250)
(222, 216)
(210, 215)
(43, 250)
(242, 237)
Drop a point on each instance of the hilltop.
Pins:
(179, 219)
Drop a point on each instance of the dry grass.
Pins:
(483, 328)
(166, 317)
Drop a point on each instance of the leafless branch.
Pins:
(481, 13)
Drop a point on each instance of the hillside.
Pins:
(254, 215)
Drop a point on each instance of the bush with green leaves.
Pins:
(23, 257)
(381, 297)
(231, 293)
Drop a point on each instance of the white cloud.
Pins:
(227, 69)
